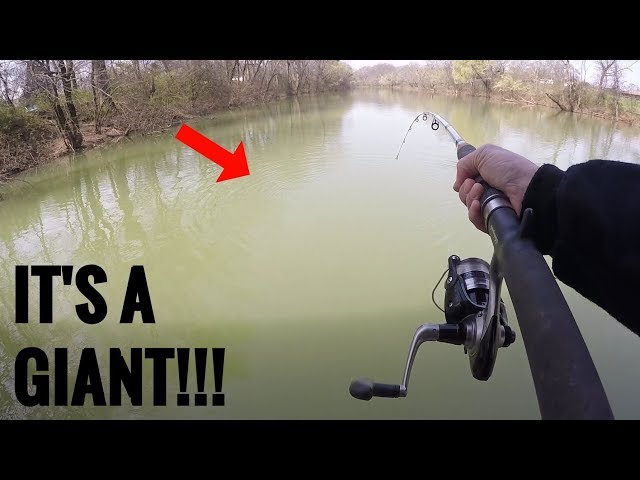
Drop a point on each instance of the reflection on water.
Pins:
(315, 268)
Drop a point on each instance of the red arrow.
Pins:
(233, 164)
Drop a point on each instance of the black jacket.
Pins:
(588, 220)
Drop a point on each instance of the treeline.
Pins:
(555, 83)
(49, 107)
(79, 103)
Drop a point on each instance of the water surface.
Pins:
(315, 269)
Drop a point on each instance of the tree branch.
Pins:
(557, 102)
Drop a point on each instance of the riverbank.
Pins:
(50, 108)
(624, 116)
(601, 89)
(627, 117)
(119, 130)
(57, 147)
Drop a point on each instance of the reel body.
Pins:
(469, 290)
(475, 317)
(466, 288)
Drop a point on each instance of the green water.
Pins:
(315, 269)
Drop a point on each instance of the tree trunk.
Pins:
(302, 67)
(40, 78)
(74, 83)
(557, 102)
(104, 85)
(244, 71)
(236, 64)
(289, 86)
(101, 88)
(255, 74)
(61, 118)
(75, 136)
(97, 117)
(264, 75)
(152, 90)
(6, 90)
(136, 69)
(274, 75)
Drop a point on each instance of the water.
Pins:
(315, 269)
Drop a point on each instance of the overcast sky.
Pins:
(632, 76)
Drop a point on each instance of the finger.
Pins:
(465, 188)
(475, 215)
(474, 194)
(466, 168)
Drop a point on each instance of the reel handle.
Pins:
(365, 389)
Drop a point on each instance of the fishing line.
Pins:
(425, 117)
(433, 292)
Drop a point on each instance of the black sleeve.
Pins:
(588, 220)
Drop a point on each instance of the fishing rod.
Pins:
(566, 381)
(435, 124)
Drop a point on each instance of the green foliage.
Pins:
(631, 105)
(337, 76)
(508, 85)
(83, 100)
(18, 123)
(39, 104)
(23, 139)
(589, 97)
(466, 70)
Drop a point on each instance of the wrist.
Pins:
(540, 196)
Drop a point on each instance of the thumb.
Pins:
(466, 168)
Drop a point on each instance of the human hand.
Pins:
(500, 168)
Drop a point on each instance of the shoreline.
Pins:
(112, 136)
(626, 117)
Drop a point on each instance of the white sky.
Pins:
(631, 76)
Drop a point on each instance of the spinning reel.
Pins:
(475, 318)
(566, 380)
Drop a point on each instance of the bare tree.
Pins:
(65, 75)
(102, 96)
(571, 93)
(604, 69)
(7, 72)
(617, 84)
(43, 77)
(610, 76)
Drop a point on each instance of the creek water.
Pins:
(315, 269)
